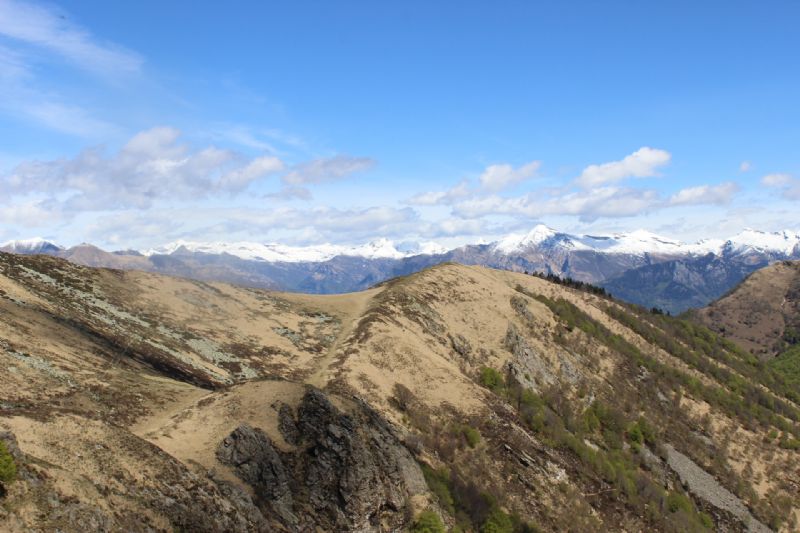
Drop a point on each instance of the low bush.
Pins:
(8, 468)
(428, 522)
(471, 435)
(492, 379)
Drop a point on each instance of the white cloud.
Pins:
(327, 169)
(777, 180)
(788, 185)
(323, 224)
(453, 227)
(291, 193)
(240, 178)
(705, 194)
(447, 197)
(28, 214)
(61, 117)
(499, 177)
(21, 97)
(588, 205)
(643, 163)
(47, 28)
(129, 228)
(745, 166)
(152, 166)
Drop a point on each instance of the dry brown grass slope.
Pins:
(756, 313)
(121, 387)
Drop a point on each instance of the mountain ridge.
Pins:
(639, 266)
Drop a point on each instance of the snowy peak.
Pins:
(36, 245)
(783, 242)
(517, 242)
(642, 242)
(279, 253)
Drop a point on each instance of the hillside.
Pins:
(680, 284)
(484, 399)
(762, 314)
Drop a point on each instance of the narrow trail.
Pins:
(360, 303)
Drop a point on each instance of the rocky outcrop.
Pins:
(461, 346)
(258, 463)
(526, 366)
(348, 471)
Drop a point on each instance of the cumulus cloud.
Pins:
(643, 163)
(240, 178)
(47, 28)
(777, 180)
(705, 194)
(149, 227)
(447, 197)
(453, 227)
(29, 214)
(499, 177)
(327, 169)
(588, 205)
(786, 183)
(152, 166)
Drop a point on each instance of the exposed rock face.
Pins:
(258, 463)
(527, 367)
(287, 425)
(349, 472)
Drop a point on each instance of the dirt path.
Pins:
(358, 303)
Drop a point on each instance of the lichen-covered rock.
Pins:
(520, 306)
(526, 366)
(461, 346)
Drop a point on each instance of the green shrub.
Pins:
(8, 468)
(439, 483)
(678, 502)
(492, 379)
(498, 522)
(428, 522)
(472, 436)
(788, 443)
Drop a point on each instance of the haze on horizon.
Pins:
(133, 125)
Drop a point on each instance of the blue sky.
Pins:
(138, 123)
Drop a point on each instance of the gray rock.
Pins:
(461, 345)
(286, 424)
(256, 461)
(350, 472)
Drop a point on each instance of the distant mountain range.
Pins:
(638, 266)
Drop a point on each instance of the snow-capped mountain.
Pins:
(36, 245)
(634, 265)
(785, 242)
(641, 242)
(280, 253)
